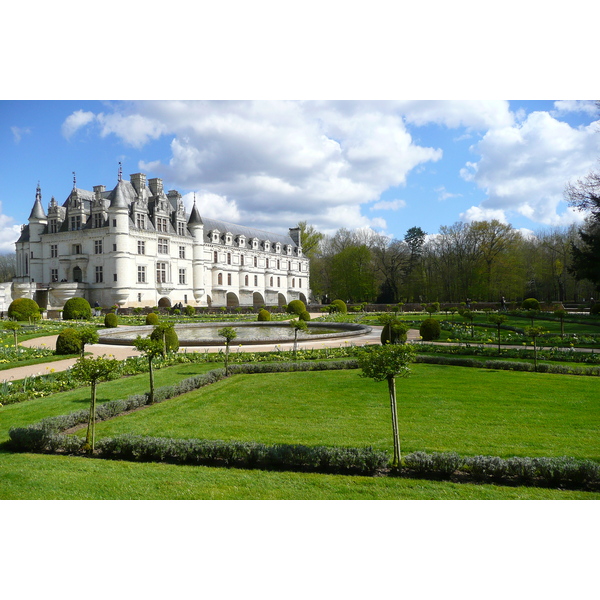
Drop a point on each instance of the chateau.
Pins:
(136, 245)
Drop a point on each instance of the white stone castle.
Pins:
(137, 246)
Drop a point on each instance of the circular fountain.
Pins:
(248, 333)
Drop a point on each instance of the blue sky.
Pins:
(387, 165)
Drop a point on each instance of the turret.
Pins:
(196, 227)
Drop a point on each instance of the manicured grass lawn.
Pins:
(441, 408)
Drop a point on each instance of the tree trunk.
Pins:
(226, 359)
(151, 372)
(395, 432)
(91, 430)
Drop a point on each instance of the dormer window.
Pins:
(228, 238)
(278, 248)
(215, 236)
(255, 243)
(241, 241)
(267, 245)
(288, 250)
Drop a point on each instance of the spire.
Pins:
(74, 181)
(37, 212)
(120, 172)
(119, 196)
(195, 218)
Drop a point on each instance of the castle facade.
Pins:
(136, 245)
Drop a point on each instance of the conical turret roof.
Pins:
(37, 212)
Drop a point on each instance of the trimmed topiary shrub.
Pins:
(305, 315)
(190, 311)
(530, 304)
(264, 315)
(595, 310)
(394, 332)
(151, 319)
(23, 309)
(68, 342)
(296, 307)
(77, 308)
(110, 320)
(166, 332)
(430, 330)
(338, 306)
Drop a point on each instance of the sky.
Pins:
(387, 165)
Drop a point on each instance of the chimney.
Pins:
(156, 186)
(98, 189)
(138, 181)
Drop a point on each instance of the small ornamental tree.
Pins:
(263, 315)
(87, 335)
(229, 333)
(561, 313)
(394, 330)
(165, 333)
(386, 363)
(338, 306)
(151, 319)
(469, 315)
(14, 327)
(530, 304)
(297, 325)
(92, 371)
(534, 333)
(430, 329)
(295, 307)
(111, 320)
(497, 320)
(151, 349)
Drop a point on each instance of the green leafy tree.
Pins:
(165, 332)
(497, 320)
(92, 371)
(388, 362)
(14, 327)
(469, 315)
(151, 349)
(561, 313)
(87, 335)
(229, 333)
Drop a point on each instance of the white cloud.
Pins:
(585, 106)
(477, 213)
(443, 194)
(524, 168)
(76, 121)
(9, 233)
(388, 205)
(19, 132)
(213, 206)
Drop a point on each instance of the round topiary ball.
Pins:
(296, 307)
(264, 315)
(68, 342)
(339, 306)
(530, 304)
(430, 330)
(22, 309)
(110, 320)
(305, 315)
(151, 319)
(595, 310)
(168, 332)
(77, 309)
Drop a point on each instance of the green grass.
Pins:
(442, 408)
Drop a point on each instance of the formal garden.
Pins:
(482, 404)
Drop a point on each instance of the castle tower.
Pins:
(37, 225)
(196, 227)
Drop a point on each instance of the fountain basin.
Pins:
(248, 333)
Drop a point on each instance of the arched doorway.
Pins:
(257, 300)
(302, 297)
(164, 302)
(77, 275)
(281, 301)
(232, 300)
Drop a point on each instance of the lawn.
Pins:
(442, 408)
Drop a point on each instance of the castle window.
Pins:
(139, 297)
(140, 221)
(182, 276)
(278, 265)
(271, 281)
(98, 220)
(163, 246)
(299, 282)
(53, 225)
(242, 260)
(181, 251)
(75, 222)
(97, 246)
(161, 272)
(53, 250)
(141, 247)
(228, 278)
(293, 282)
(54, 274)
(229, 258)
(141, 275)
(246, 280)
(220, 279)
(279, 282)
(255, 261)
(180, 228)
(256, 280)
(215, 256)
(99, 275)
(162, 224)
(76, 248)
(267, 263)
(114, 277)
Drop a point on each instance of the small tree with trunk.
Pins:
(534, 333)
(497, 320)
(297, 325)
(561, 313)
(14, 327)
(92, 371)
(87, 335)
(229, 333)
(386, 363)
(151, 349)
(469, 315)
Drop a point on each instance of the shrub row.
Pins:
(321, 459)
(562, 471)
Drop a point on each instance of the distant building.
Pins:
(137, 246)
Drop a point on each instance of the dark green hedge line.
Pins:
(506, 365)
(562, 471)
